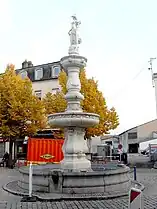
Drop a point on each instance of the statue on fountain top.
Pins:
(75, 40)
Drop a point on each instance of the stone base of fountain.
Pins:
(51, 179)
(89, 182)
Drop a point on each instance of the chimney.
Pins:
(30, 64)
(25, 64)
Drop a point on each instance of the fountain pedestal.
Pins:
(74, 120)
(74, 150)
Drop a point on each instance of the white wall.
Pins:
(92, 144)
(45, 86)
(144, 131)
(7, 148)
(124, 142)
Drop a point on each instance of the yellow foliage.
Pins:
(54, 103)
(63, 81)
(18, 105)
(93, 102)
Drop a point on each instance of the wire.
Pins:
(128, 83)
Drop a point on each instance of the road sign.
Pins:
(120, 151)
(120, 146)
(135, 201)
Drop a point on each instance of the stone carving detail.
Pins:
(74, 107)
(73, 33)
(73, 83)
(75, 115)
(74, 37)
(70, 131)
(75, 131)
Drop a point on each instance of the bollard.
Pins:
(30, 180)
(30, 198)
(135, 176)
(135, 200)
(120, 157)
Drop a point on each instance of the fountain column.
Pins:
(74, 120)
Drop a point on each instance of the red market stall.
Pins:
(42, 150)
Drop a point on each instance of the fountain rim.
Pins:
(73, 56)
(74, 113)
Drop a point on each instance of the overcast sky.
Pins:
(118, 38)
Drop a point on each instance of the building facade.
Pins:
(44, 77)
(132, 138)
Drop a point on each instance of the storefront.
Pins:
(20, 149)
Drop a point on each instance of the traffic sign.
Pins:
(120, 146)
(135, 201)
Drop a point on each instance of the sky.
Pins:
(118, 38)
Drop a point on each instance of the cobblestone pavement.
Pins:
(146, 176)
(141, 161)
(110, 204)
(149, 203)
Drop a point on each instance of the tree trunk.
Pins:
(10, 153)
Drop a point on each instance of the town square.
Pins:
(78, 104)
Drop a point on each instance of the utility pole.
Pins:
(154, 79)
(151, 68)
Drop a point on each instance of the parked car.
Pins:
(145, 151)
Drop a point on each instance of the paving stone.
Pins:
(44, 205)
(63, 205)
(34, 206)
(150, 203)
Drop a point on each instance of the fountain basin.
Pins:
(71, 119)
(40, 179)
(52, 179)
(89, 182)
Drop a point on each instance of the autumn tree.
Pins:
(93, 102)
(21, 112)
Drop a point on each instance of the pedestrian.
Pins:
(6, 158)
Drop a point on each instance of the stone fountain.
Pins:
(74, 175)
(74, 120)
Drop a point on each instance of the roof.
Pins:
(136, 127)
(34, 66)
(47, 74)
(108, 136)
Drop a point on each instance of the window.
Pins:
(20, 149)
(38, 94)
(55, 90)
(55, 71)
(23, 74)
(38, 73)
(132, 135)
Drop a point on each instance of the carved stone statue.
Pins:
(73, 33)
